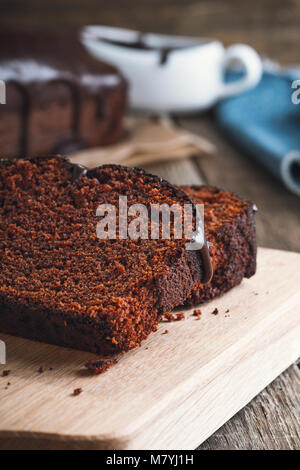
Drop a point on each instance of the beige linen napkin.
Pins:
(148, 141)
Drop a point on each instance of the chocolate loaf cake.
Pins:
(59, 282)
(229, 226)
(58, 98)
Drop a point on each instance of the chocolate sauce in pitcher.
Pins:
(141, 44)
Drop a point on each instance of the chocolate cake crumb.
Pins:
(168, 316)
(174, 316)
(165, 332)
(215, 311)
(77, 391)
(98, 367)
(227, 311)
(197, 313)
(5, 373)
(180, 316)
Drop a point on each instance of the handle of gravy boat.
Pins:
(250, 60)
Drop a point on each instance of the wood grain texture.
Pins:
(269, 422)
(181, 380)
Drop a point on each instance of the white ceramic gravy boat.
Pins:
(172, 73)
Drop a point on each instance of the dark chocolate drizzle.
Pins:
(141, 44)
(164, 55)
(207, 264)
(78, 172)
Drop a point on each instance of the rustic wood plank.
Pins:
(269, 422)
(272, 27)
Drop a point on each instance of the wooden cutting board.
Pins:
(171, 393)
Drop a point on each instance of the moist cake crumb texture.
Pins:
(59, 282)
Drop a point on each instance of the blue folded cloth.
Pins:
(266, 123)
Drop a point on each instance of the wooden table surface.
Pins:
(271, 420)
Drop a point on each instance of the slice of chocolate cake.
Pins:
(59, 282)
(58, 97)
(229, 226)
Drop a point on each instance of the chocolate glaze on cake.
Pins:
(229, 226)
(58, 97)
